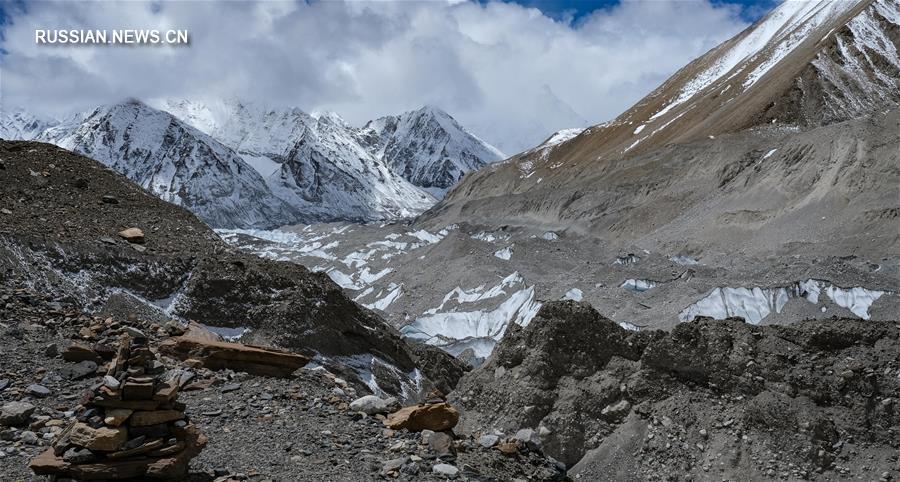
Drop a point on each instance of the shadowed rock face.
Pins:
(61, 236)
(588, 386)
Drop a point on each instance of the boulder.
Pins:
(82, 369)
(132, 235)
(371, 404)
(427, 416)
(616, 410)
(15, 413)
(488, 441)
(220, 355)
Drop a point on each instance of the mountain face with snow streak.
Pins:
(331, 175)
(428, 148)
(177, 163)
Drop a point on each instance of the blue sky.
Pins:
(751, 10)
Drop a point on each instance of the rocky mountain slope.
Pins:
(712, 400)
(61, 215)
(781, 137)
(176, 162)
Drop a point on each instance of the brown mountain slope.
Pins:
(745, 144)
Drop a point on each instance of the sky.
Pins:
(510, 71)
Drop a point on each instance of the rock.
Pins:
(218, 355)
(441, 444)
(393, 465)
(371, 404)
(52, 350)
(445, 469)
(38, 391)
(508, 448)
(15, 413)
(104, 439)
(111, 382)
(117, 416)
(529, 438)
(430, 416)
(29, 437)
(156, 417)
(616, 410)
(82, 369)
(77, 455)
(77, 352)
(4, 384)
(132, 235)
(231, 387)
(488, 441)
(107, 199)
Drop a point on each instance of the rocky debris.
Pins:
(136, 429)
(721, 398)
(218, 355)
(132, 235)
(425, 416)
(15, 413)
(371, 405)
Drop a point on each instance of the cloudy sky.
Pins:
(512, 72)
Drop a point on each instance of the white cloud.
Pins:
(510, 73)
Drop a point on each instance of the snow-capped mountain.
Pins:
(262, 135)
(330, 174)
(176, 162)
(19, 124)
(428, 148)
(395, 166)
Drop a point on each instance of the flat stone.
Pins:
(104, 439)
(38, 391)
(117, 416)
(137, 390)
(132, 235)
(218, 355)
(4, 384)
(15, 413)
(82, 369)
(231, 387)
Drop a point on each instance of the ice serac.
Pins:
(784, 134)
(176, 162)
(428, 148)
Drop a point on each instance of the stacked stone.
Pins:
(130, 425)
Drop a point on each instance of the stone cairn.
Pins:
(130, 425)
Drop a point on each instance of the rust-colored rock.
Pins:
(219, 355)
(426, 416)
